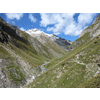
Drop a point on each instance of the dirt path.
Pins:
(73, 55)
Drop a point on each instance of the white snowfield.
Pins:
(38, 35)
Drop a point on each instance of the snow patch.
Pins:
(36, 32)
(33, 77)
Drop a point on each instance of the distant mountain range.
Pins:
(60, 41)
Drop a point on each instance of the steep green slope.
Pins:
(21, 55)
(21, 41)
(78, 67)
(92, 83)
(88, 33)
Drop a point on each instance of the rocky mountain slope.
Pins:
(21, 56)
(62, 42)
(44, 37)
(36, 60)
(78, 68)
(88, 33)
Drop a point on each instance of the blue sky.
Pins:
(65, 25)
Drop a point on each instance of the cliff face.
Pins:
(3, 37)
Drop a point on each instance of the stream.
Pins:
(41, 70)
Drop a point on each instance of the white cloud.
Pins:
(53, 18)
(65, 23)
(85, 18)
(18, 16)
(22, 29)
(31, 17)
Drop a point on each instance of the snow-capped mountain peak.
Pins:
(33, 31)
(52, 37)
(36, 32)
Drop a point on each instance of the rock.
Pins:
(93, 29)
(84, 31)
(42, 37)
(1, 60)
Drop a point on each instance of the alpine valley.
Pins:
(35, 59)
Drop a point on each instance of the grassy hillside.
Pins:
(21, 55)
(73, 69)
(88, 33)
(29, 47)
(92, 83)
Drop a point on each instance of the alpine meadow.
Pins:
(45, 55)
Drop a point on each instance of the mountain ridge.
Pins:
(39, 62)
(60, 41)
(21, 55)
(94, 26)
(88, 33)
(78, 68)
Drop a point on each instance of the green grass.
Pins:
(55, 47)
(45, 48)
(15, 74)
(52, 63)
(85, 38)
(89, 44)
(73, 71)
(89, 52)
(29, 53)
(89, 47)
(70, 78)
(76, 79)
(22, 44)
(5, 55)
(32, 59)
(92, 83)
(78, 49)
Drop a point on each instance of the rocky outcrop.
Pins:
(11, 31)
(88, 33)
(93, 29)
(62, 42)
(3, 37)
